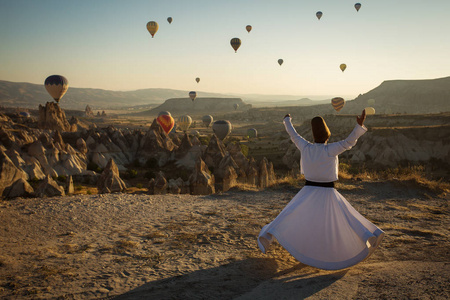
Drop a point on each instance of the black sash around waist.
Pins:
(321, 184)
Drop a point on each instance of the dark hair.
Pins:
(320, 130)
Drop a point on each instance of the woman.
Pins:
(319, 227)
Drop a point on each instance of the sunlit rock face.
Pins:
(52, 117)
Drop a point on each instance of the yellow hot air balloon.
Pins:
(343, 67)
(152, 27)
(369, 110)
(235, 43)
(184, 122)
(197, 79)
(249, 28)
(338, 103)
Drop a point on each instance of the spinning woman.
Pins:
(319, 227)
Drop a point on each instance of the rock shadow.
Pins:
(240, 279)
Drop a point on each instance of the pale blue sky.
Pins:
(105, 44)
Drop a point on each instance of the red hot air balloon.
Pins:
(166, 123)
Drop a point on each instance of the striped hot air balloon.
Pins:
(166, 122)
(235, 43)
(338, 103)
(184, 122)
(56, 86)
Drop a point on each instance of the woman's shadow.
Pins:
(252, 278)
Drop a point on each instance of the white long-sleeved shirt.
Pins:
(319, 162)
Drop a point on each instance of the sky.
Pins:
(105, 44)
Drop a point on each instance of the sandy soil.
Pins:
(126, 246)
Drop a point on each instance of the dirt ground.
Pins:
(138, 246)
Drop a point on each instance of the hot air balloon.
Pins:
(24, 114)
(369, 110)
(371, 101)
(357, 6)
(221, 128)
(235, 43)
(169, 19)
(192, 95)
(252, 133)
(343, 67)
(197, 79)
(184, 122)
(338, 103)
(166, 122)
(319, 15)
(164, 112)
(235, 106)
(280, 61)
(56, 86)
(207, 120)
(249, 28)
(152, 27)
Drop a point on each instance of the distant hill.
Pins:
(393, 96)
(406, 96)
(201, 106)
(29, 95)
(275, 102)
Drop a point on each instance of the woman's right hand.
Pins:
(288, 115)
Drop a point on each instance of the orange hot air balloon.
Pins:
(338, 103)
(166, 123)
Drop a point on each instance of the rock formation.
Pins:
(9, 173)
(20, 188)
(52, 117)
(201, 182)
(110, 181)
(49, 188)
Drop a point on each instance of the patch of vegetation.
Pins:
(204, 140)
(91, 166)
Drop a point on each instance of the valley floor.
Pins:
(129, 246)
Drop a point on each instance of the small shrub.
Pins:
(204, 140)
(244, 149)
(61, 178)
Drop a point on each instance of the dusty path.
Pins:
(204, 247)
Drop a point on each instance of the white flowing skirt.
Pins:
(320, 228)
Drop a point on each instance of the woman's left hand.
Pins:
(360, 119)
